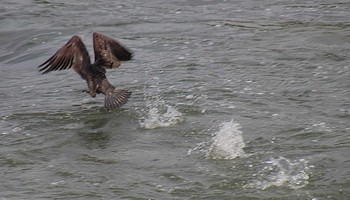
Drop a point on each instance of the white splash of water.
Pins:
(282, 172)
(158, 113)
(227, 143)
(161, 116)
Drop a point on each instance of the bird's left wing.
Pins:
(109, 52)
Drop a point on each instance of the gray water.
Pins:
(241, 99)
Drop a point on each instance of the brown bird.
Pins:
(108, 54)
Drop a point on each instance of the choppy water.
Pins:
(231, 100)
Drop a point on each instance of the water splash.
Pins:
(227, 143)
(161, 116)
(282, 172)
(158, 113)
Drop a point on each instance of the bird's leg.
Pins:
(92, 90)
(98, 91)
(92, 93)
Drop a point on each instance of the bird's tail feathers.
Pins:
(116, 99)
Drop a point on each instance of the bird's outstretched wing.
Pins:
(109, 52)
(72, 55)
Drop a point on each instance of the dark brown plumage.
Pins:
(108, 54)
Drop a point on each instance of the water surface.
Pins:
(231, 100)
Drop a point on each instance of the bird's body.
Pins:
(108, 54)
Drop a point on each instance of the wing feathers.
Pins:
(119, 51)
(109, 52)
(72, 54)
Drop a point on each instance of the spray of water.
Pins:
(227, 143)
(282, 172)
(158, 113)
(161, 116)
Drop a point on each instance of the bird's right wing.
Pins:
(72, 54)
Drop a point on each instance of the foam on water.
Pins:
(227, 143)
(282, 172)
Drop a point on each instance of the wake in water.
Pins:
(227, 143)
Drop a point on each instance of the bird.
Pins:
(108, 55)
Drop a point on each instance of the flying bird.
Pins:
(108, 54)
